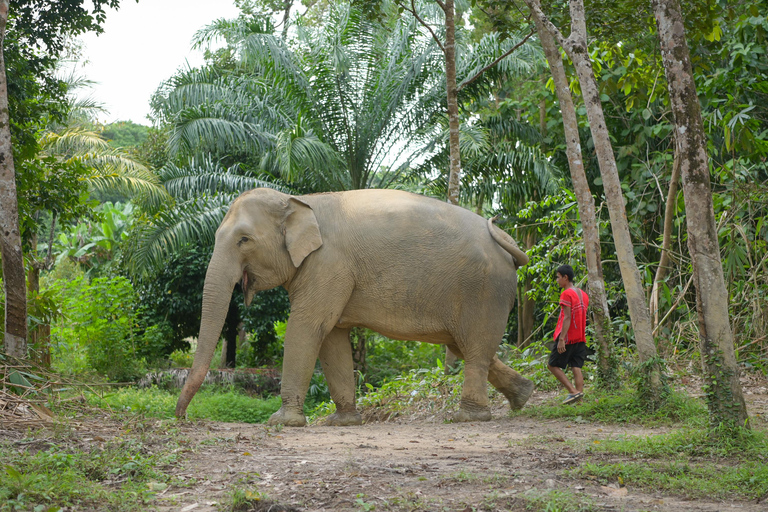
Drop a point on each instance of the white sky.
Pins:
(143, 44)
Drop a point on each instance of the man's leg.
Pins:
(560, 376)
(578, 379)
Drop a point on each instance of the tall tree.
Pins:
(36, 37)
(15, 326)
(607, 371)
(575, 45)
(724, 394)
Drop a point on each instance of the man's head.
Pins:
(564, 275)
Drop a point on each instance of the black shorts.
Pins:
(574, 356)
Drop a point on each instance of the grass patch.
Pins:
(740, 444)
(228, 405)
(121, 476)
(700, 463)
(559, 501)
(747, 480)
(624, 407)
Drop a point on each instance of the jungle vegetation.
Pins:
(116, 222)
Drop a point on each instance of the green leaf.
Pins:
(18, 379)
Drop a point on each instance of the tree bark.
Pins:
(526, 306)
(14, 281)
(286, 17)
(449, 49)
(669, 217)
(576, 47)
(723, 390)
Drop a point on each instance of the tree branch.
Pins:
(412, 10)
(489, 66)
(535, 7)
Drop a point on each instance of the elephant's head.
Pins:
(262, 241)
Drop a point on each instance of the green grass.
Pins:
(218, 405)
(120, 476)
(624, 407)
(559, 501)
(747, 480)
(740, 444)
(696, 463)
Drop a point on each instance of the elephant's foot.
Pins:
(520, 395)
(464, 415)
(287, 418)
(344, 419)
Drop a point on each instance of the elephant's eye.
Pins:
(242, 240)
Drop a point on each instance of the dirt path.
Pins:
(406, 465)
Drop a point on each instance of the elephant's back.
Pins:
(397, 229)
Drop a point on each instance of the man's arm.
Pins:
(564, 331)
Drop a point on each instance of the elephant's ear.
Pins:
(302, 233)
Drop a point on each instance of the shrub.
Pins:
(99, 316)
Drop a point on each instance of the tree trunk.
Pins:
(454, 174)
(14, 281)
(286, 17)
(724, 394)
(526, 306)
(669, 217)
(607, 364)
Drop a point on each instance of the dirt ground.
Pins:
(413, 465)
(404, 464)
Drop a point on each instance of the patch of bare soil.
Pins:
(406, 465)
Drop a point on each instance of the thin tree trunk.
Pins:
(14, 281)
(526, 306)
(669, 217)
(454, 175)
(607, 366)
(724, 394)
(286, 17)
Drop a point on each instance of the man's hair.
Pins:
(566, 270)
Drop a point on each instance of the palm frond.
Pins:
(194, 221)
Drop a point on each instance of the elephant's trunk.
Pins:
(216, 297)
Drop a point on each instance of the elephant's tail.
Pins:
(507, 243)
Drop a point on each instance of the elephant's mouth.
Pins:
(245, 282)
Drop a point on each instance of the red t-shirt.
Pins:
(576, 331)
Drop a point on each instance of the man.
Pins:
(570, 335)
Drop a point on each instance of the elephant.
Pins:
(407, 266)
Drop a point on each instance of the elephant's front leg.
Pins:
(302, 344)
(338, 367)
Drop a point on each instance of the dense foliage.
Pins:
(349, 96)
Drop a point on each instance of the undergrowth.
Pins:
(559, 501)
(120, 475)
(226, 404)
(747, 480)
(423, 391)
(624, 406)
(695, 463)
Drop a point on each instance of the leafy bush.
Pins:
(388, 359)
(427, 390)
(100, 317)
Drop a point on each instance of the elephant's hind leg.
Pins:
(511, 384)
(338, 367)
(474, 393)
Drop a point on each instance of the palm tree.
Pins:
(338, 108)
